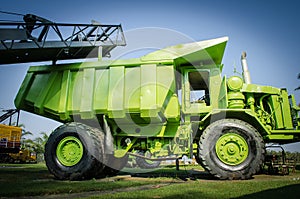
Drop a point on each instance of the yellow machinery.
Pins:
(10, 136)
(10, 141)
(24, 156)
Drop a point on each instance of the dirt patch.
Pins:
(93, 193)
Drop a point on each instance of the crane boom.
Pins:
(38, 39)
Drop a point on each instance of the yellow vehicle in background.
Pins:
(24, 156)
(10, 141)
(10, 136)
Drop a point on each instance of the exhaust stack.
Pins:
(246, 73)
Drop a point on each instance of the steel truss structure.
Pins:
(38, 39)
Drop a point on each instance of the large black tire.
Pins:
(231, 149)
(74, 151)
(144, 163)
(113, 165)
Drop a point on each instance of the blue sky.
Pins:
(267, 30)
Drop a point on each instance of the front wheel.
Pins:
(74, 152)
(231, 149)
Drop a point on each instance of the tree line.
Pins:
(36, 145)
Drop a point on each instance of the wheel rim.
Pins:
(232, 149)
(69, 151)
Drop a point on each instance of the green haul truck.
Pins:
(166, 104)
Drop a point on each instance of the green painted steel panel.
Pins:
(132, 89)
(74, 95)
(87, 97)
(62, 108)
(148, 91)
(275, 103)
(142, 87)
(286, 110)
(205, 52)
(172, 111)
(116, 92)
(19, 100)
(165, 83)
(101, 90)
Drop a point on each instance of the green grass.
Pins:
(212, 189)
(32, 180)
(35, 180)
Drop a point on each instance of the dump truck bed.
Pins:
(142, 87)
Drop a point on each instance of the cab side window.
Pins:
(199, 87)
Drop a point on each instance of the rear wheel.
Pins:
(74, 152)
(231, 149)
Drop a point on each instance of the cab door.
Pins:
(196, 92)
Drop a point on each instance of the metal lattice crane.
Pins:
(38, 39)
